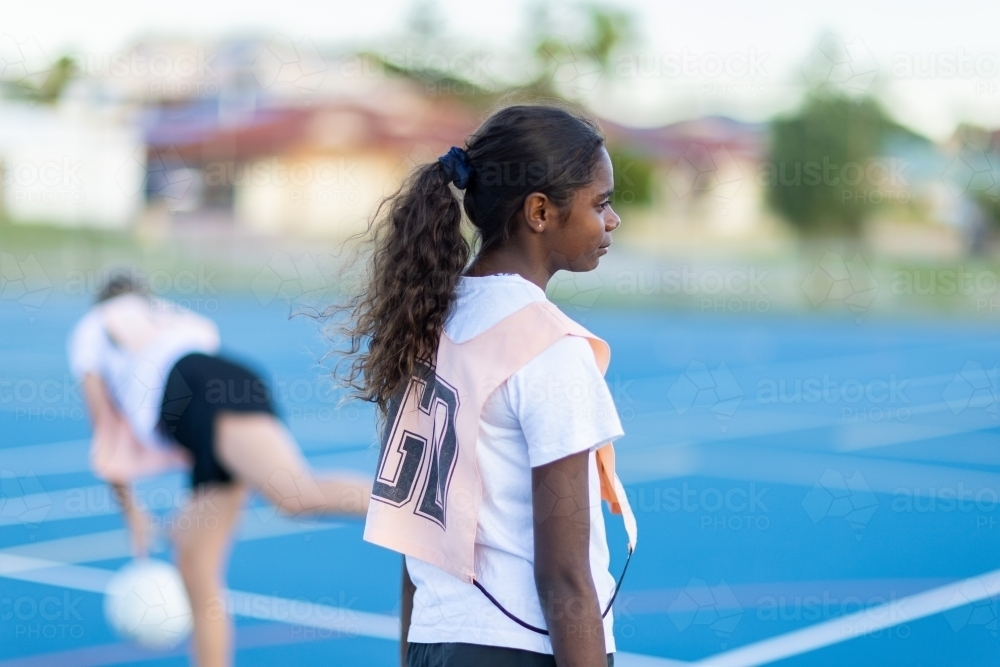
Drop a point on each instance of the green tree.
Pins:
(983, 186)
(817, 172)
(51, 87)
(585, 55)
(633, 174)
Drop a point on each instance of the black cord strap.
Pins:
(540, 631)
(507, 613)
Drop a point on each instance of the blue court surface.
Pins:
(809, 491)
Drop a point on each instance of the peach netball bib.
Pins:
(427, 490)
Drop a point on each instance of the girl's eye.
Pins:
(604, 204)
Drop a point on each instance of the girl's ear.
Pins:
(538, 211)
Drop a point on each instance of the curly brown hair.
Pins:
(418, 248)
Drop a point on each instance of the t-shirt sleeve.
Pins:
(86, 343)
(562, 402)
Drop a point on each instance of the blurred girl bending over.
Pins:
(160, 397)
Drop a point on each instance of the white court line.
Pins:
(858, 624)
(53, 573)
(733, 460)
(719, 459)
(73, 456)
(166, 491)
(872, 435)
(112, 544)
(325, 617)
(344, 620)
(623, 659)
(248, 605)
(52, 458)
(381, 626)
(705, 427)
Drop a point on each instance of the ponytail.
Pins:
(419, 253)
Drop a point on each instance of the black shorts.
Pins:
(454, 654)
(198, 387)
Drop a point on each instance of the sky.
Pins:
(933, 64)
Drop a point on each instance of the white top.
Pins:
(556, 405)
(154, 335)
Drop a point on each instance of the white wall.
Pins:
(313, 195)
(70, 165)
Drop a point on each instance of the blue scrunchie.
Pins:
(457, 167)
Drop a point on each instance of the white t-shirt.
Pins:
(556, 405)
(136, 380)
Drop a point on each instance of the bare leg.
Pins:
(202, 536)
(259, 451)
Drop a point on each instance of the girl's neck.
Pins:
(498, 264)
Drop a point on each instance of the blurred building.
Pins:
(276, 137)
(69, 165)
(705, 171)
(311, 170)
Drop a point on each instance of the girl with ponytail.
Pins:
(495, 418)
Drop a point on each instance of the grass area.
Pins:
(823, 276)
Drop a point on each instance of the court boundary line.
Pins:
(382, 626)
(860, 623)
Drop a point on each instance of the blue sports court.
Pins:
(809, 491)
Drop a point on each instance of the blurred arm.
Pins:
(108, 425)
(102, 411)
